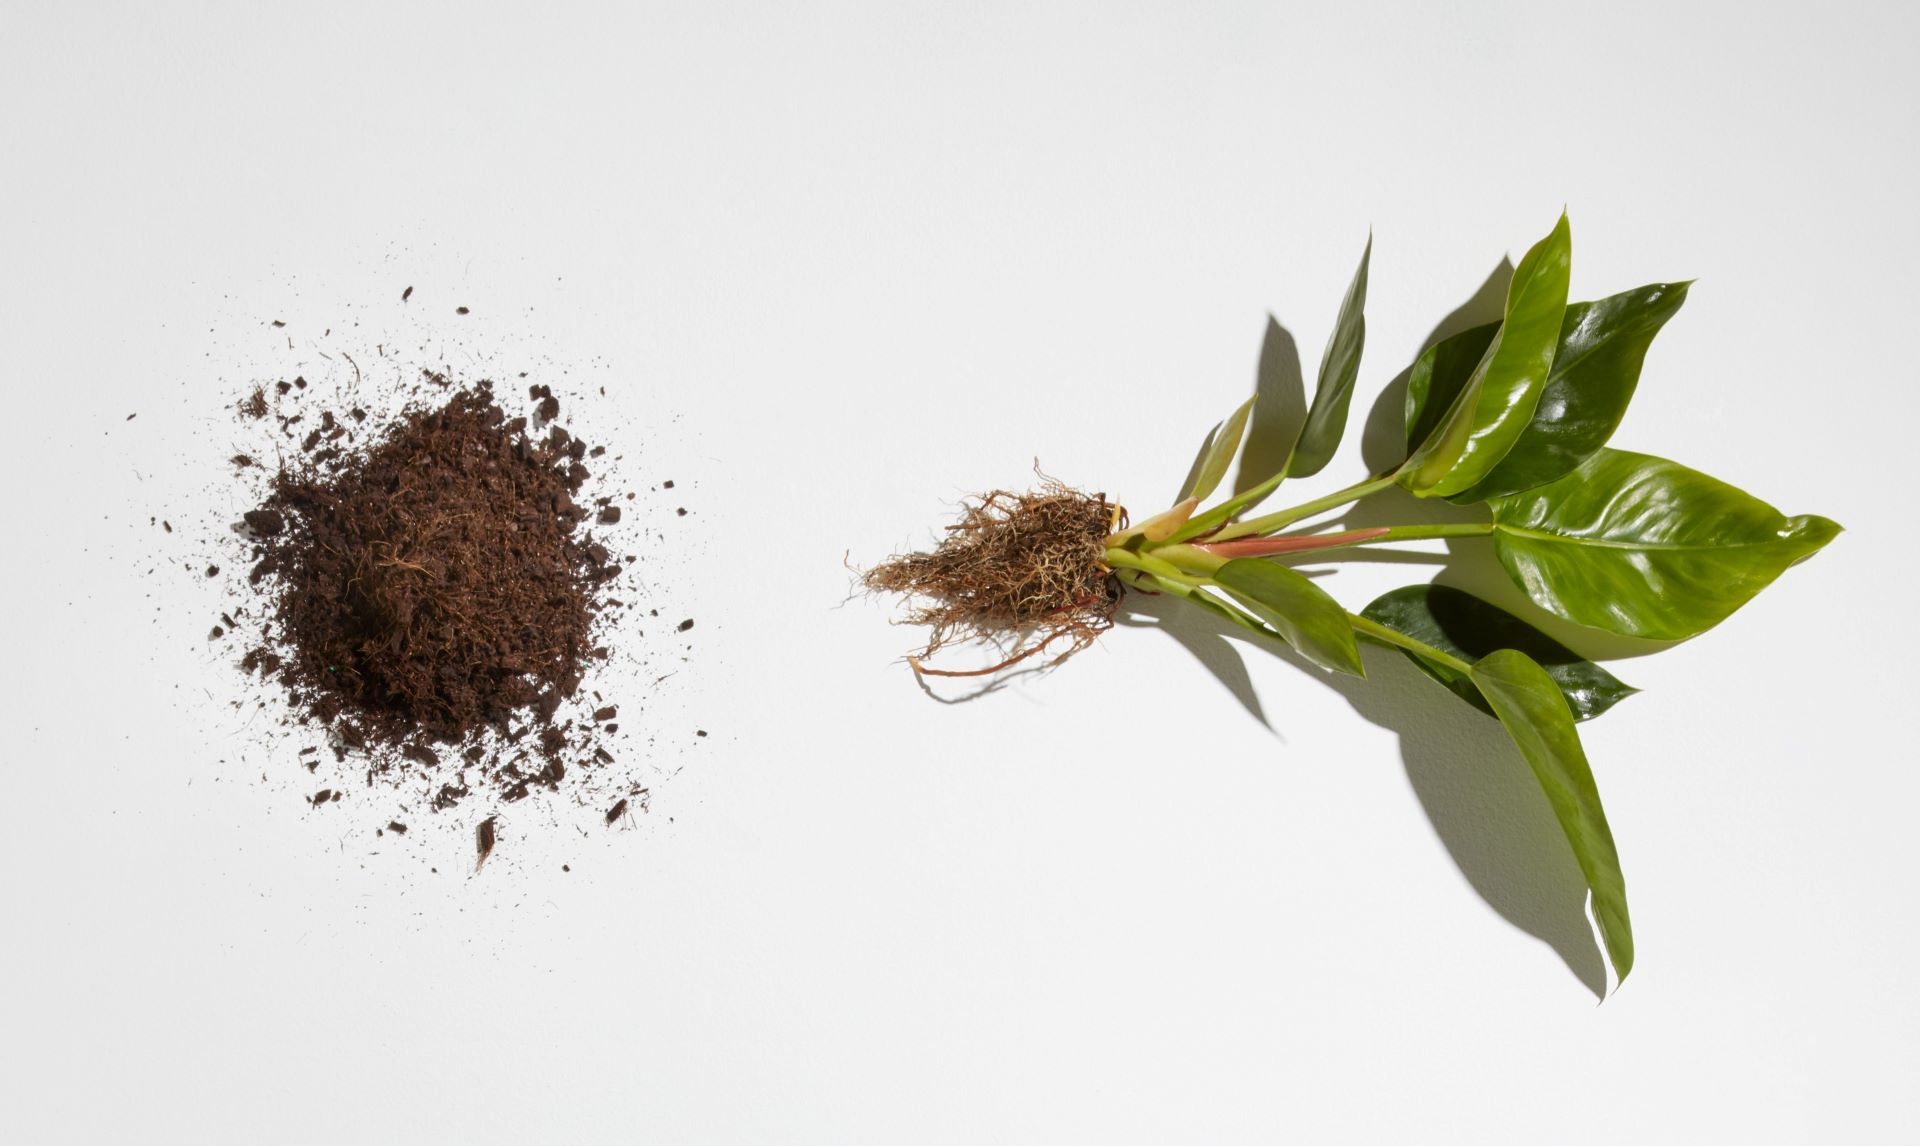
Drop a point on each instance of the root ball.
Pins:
(1023, 570)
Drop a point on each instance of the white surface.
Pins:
(875, 257)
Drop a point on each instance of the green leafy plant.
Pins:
(1513, 416)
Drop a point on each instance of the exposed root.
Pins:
(1018, 567)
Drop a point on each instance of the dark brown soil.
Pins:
(434, 594)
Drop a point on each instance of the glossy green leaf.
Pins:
(1498, 400)
(1215, 606)
(1339, 368)
(1300, 611)
(1596, 367)
(1217, 454)
(1595, 371)
(1646, 547)
(1535, 714)
(1460, 624)
(1438, 377)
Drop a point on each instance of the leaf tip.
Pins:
(1622, 967)
(1813, 530)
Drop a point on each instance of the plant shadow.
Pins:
(1482, 800)
(1280, 408)
(1383, 440)
(1209, 646)
(1478, 794)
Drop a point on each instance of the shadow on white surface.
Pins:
(1280, 411)
(1476, 791)
(1209, 646)
(1482, 800)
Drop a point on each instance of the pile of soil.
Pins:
(432, 595)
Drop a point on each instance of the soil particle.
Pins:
(450, 795)
(483, 841)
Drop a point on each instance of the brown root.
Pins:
(1023, 571)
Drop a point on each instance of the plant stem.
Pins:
(1275, 522)
(1409, 533)
(1367, 627)
(1190, 559)
(1151, 564)
(1159, 527)
(1287, 545)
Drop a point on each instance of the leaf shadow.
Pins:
(1210, 647)
(1383, 440)
(1477, 793)
(1481, 799)
(1279, 408)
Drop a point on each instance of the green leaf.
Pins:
(1213, 605)
(1460, 624)
(1216, 454)
(1535, 714)
(1595, 371)
(1339, 368)
(1646, 547)
(1497, 403)
(1302, 612)
(1438, 377)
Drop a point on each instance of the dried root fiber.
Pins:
(1019, 570)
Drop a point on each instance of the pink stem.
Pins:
(1270, 546)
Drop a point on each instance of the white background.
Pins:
(871, 257)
